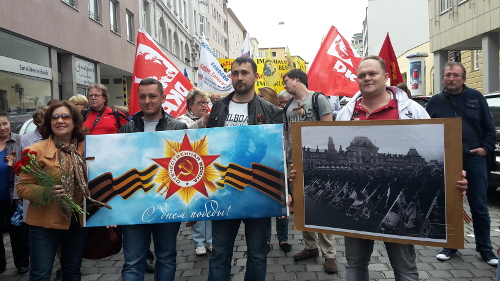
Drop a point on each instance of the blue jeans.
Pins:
(281, 230)
(477, 178)
(202, 233)
(136, 241)
(43, 247)
(224, 233)
(358, 252)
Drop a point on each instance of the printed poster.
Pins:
(187, 175)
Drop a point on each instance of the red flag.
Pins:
(150, 61)
(392, 67)
(333, 71)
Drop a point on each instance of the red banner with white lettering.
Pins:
(150, 61)
(391, 67)
(333, 71)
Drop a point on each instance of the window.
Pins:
(94, 11)
(72, 3)
(184, 10)
(273, 54)
(475, 58)
(113, 15)
(202, 24)
(130, 26)
(444, 5)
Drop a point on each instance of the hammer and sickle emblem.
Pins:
(185, 171)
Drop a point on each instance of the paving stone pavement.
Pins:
(467, 265)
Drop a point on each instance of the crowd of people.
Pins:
(53, 228)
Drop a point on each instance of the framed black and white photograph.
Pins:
(391, 180)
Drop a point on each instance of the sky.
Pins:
(305, 22)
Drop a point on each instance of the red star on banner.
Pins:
(187, 170)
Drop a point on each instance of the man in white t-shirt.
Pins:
(242, 107)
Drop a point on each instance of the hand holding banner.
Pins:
(333, 71)
(150, 61)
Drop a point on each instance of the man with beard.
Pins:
(243, 107)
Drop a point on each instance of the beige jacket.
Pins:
(49, 216)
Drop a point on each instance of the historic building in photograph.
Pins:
(361, 153)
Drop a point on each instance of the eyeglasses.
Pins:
(455, 75)
(64, 117)
(94, 96)
(200, 103)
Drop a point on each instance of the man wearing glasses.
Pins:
(478, 142)
(99, 118)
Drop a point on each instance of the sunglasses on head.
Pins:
(62, 116)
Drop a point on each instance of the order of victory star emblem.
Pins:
(187, 169)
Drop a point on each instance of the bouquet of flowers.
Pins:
(28, 164)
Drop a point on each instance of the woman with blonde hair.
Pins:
(79, 101)
(268, 94)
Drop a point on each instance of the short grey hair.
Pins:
(283, 94)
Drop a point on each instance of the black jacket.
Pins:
(270, 114)
(473, 104)
(164, 124)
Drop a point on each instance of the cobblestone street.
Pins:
(467, 265)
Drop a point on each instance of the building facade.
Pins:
(55, 49)
(408, 28)
(236, 34)
(469, 29)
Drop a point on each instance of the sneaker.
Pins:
(330, 265)
(58, 275)
(445, 254)
(150, 266)
(489, 258)
(200, 251)
(209, 248)
(306, 254)
(285, 247)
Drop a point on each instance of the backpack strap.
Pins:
(315, 103)
(117, 115)
(285, 108)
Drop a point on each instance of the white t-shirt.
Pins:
(150, 125)
(238, 114)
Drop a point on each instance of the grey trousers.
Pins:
(401, 256)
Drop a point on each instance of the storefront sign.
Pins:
(25, 68)
(84, 72)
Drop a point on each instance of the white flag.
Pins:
(211, 76)
(245, 48)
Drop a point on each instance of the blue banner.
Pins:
(187, 175)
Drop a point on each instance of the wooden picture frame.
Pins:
(389, 180)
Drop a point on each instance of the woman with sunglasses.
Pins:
(60, 155)
(197, 109)
(197, 117)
